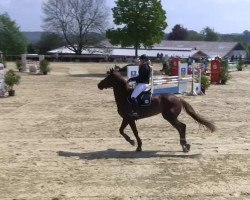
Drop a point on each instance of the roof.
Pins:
(153, 52)
(212, 49)
(130, 52)
(182, 49)
(65, 50)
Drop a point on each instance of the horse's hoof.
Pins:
(186, 148)
(138, 149)
(132, 142)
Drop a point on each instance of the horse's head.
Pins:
(109, 81)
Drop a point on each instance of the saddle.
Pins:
(144, 99)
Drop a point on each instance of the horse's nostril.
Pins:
(99, 86)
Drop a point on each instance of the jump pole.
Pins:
(181, 80)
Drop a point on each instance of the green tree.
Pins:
(248, 51)
(12, 41)
(209, 34)
(76, 20)
(140, 23)
(246, 36)
(178, 33)
(32, 48)
(194, 36)
(50, 41)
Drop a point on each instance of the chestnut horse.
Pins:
(168, 105)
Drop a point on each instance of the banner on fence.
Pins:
(182, 74)
(1, 80)
(132, 71)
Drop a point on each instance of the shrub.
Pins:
(166, 67)
(205, 82)
(44, 67)
(239, 64)
(3, 61)
(18, 65)
(11, 79)
(224, 73)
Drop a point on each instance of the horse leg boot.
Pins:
(134, 113)
(182, 131)
(181, 128)
(138, 139)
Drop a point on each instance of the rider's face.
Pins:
(137, 62)
(141, 62)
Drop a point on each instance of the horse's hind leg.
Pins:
(138, 139)
(181, 127)
(121, 130)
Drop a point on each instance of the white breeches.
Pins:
(140, 87)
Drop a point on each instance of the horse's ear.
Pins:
(111, 70)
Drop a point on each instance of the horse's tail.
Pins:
(190, 111)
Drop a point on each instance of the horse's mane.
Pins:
(119, 76)
(121, 80)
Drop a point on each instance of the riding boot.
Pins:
(134, 108)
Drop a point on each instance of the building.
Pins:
(212, 49)
(183, 49)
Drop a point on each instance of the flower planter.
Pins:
(203, 90)
(223, 82)
(11, 93)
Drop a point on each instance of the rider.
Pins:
(142, 81)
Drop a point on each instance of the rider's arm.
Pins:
(133, 79)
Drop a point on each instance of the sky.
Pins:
(224, 16)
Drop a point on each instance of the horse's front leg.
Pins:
(121, 130)
(138, 139)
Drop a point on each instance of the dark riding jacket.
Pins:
(144, 74)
